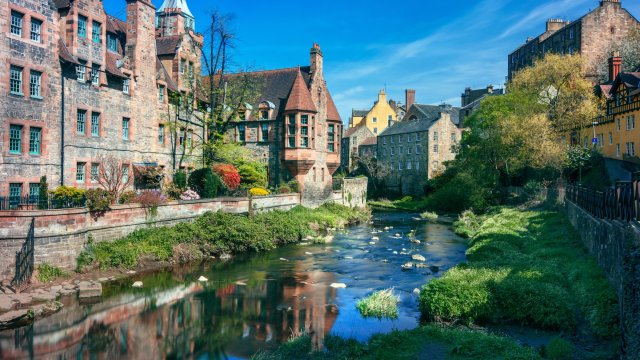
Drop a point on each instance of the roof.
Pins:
(429, 115)
(349, 132)
(162, 74)
(476, 102)
(631, 80)
(359, 113)
(175, 4)
(112, 60)
(116, 25)
(332, 110)
(62, 4)
(168, 45)
(300, 97)
(64, 53)
(369, 141)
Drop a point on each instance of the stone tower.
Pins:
(173, 17)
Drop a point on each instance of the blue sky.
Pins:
(435, 47)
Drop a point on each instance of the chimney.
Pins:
(615, 65)
(316, 59)
(140, 32)
(614, 2)
(554, 25)
(410, 98)
(382, 97)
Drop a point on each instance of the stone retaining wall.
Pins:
(616, 248)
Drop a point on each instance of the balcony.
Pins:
(299, 160)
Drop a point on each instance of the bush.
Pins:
(380, 304)
(173, 191)
(283, 189)
(229, 175)
(259, 192)
(47, 273)
(98, 200)
(127, 197)
(294, 185)
(189, 195)
(67, 196)
(180, 180)
(461, 193)
(251, 176)
(431, 216)
(43, 194)
(558, 349)
(206, 183)
(150, 199)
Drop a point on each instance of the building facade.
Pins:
(590, 36)
(81, 85)
(417, 148)
(381, 116)
(351, 141)
(471, 98)
(294, 125)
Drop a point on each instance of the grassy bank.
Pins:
(407, 203)
(218, 233)
(431, 341)
(524, 267)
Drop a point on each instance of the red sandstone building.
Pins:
(78, 84)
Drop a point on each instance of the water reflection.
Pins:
(250, 304)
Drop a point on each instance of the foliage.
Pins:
(43, 193)
(47, 273)
(68, 195)
(189, 195)
(406, 204)
(218, 233)
(150, 200)
(98, 200)
(148, 177)
(294, 185)
(284, 189)
(431, 216)
(180, 180)
(629, 49)
(259, 192)
(113, 176)
(462, 192)
(173, 191)
(206, 183)
(252, 176)
(468, 224)
(229, 175)
(380, 304)
(558, 349)
(523, 268)
(127, 197)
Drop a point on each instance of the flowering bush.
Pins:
(259, 191)
(150, 199)
(229, 174)
(190, 195)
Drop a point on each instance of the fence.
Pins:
(621, 202)
(33, 202)
(25, 259)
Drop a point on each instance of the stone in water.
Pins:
(202, 279)
(418, 257)
(338, 285)
(137, 284)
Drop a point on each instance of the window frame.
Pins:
(18, 25)
(112, 42)
(82, 26)
(81, 172)
(15, 129)
(16, 82)
(96, 39)
(125, 128)
(35, 28)
(95, 124)
(81, 121)
(37, 86)
(35, 142)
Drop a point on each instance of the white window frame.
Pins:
(82, 26)
(81, 73)
(35, 81)
(125, 85)
(95, 75)
(17, 21)
(81, 172)
(15, 80)
(36, 30)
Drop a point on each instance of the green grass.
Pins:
(431, 216)
(524, 267)
(407, 203)
(380, 304)
(218, 233)
(47, 273)
(456, 343)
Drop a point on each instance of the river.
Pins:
(251, 303)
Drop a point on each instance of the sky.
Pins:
(437, 48)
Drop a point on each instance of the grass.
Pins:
(380, 304)
(47, 273)
(431, 216)
(218, 233)
(528, 268)
(407, 203)
(458, 343)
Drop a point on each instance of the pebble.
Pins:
(64, 292)
(308, 253)
(338, 285)
(395, 253)
(348, 257)
(372, 243)
(240, 283)
(69, 287)
(23, 299)
(375, 238)
(416, 291)
(283, 259)
(5, 303)
(225, 257)
(418, 257)
(137, 284)
(55, 288)
(102, 280)
(202, 279)
(131, 272)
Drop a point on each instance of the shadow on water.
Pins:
(252, 303)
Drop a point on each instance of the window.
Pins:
(375, 120)
(409, 138)
(95, 124)
(241, 133)
(600, 140)
(181, 137)
(81, 72)
(36, 30)
(94, 172)
(453, 137)
(264, 115)
(417, 165)
(112, 43)
(393, 150)
(161, 134)
(384, 151)
(392, 139)
(125, 128)
(435, 136)
(384, 141)
(631, 149)
(409, 150)
(610, 138)
(389, 120)
(15, 80)
(80, 120)
(631, 122)
(617, 150)
(265, 132)
(125, 174)
(399, 166)
(190, 138)
(618, 124)
(34, 193)
(435, 148)
(34, 84)
(16, 23)
(161, 93)
(331, 139)
(190, 70)
(80, 172)
(292, 142)
(418, 149)
(408, 165)
(125, 86)
(15, 139)
(375, 130)
(82, 26)
(34, 140)
(417, 137)
(96, 32)
(15, 193)
(183, 64)
(95, 74)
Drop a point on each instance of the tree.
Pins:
(113, 176)
(370, 167)
(629, 49)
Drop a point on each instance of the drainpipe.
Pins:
(62, 126)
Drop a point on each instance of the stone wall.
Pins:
(354, 192)
(616, 248)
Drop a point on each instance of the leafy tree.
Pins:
(43, 194)
(629, 49)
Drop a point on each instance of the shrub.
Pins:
(180, 180)
(380, 304)
(259, 192)
(283, 189)
(67, 196)
(98, 200)
(406, 199)
(150, 200)
(47, 273)
(127, 197)
(431, 216)
(189, 195)
(206, 183)
(294, 185)
(461, 193)
(43, 194)
(173, 191)
(252, 177)
(558, 349)
(229, 175)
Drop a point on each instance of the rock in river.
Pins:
(203, 279)
(338, 285)
(407, 267)
(89, 290)
(418, 257)
(434, 268)
(137, 284)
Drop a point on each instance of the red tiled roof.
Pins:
(64, 54)
(299, 97)
(167, 45)
(112, 64)
(332, 111)
(369, 141)
(116, 25)
(162, 74)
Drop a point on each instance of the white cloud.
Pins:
(541, 13)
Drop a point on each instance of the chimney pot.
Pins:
(615, 65)
(410, 96)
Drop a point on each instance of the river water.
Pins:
(250, 303)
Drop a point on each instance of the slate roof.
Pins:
(162, 74)
(62, 4)
(355, 129)
(359, 113)
(168, 45)
(112, 64)
(430, 114)
(370, 141)
(332, 110)
(64, 53)
(116, 25)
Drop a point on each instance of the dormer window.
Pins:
(112, 43)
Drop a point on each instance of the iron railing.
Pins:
(620, 202)
(33, 202)
(25, 259)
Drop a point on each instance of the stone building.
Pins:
(294, 125)
(368, 149)
(378, 118)
(417, 148)
(79, 84)
(471, 98)
(351, 141)
(590, 36)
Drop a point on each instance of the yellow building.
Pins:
(380, 117)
